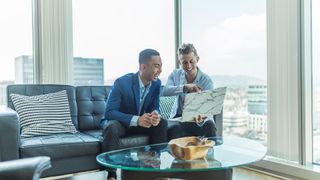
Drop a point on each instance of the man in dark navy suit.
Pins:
(133, 105)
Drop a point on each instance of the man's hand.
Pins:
(199, 119)
(145, 120)
(155, 118)
(189, 88)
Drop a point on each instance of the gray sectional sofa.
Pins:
(69, 153)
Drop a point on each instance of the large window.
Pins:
(230, 37)
(116, 31)
(15, 44)
(316, 83)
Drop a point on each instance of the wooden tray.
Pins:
(188, 148)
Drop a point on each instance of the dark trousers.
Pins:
(183, 129)
(113, 131)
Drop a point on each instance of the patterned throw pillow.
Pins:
(166, 104)
(44, 114)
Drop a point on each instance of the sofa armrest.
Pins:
(28, 168)
(9, 134)
(219, 123)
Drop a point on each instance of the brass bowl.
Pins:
(189, 148)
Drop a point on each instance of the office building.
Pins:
(86, 71)
(235, 112)
(23, 69)
(257, 109)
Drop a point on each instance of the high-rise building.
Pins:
(23, 70)
(86, 71)
(235, 113)
(257, 108)
(257, 99)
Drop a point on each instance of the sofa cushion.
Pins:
(128, 141)
(43, 114)
(166, 104)
(91, 101)
(38, 89)
(60, 146)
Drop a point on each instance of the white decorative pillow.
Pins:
(166, 104)
(44, 114)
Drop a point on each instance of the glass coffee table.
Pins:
(155, 161)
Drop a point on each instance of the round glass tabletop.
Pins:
(231, 152)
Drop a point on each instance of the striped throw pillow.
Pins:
(44, 114)
(166, 104)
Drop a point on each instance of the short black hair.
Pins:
(187, 48)
(146, 54)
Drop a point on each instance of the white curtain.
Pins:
(53, 51)
(283, 50)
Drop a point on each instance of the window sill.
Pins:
(287, 169)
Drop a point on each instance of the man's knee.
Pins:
(210, 124)
(112, 133)
(114, 127)
(174, 126)
(163, 124)
(210, 128)
(175, 130)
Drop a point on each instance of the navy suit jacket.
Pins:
(124, 99)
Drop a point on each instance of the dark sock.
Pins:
(112, 174)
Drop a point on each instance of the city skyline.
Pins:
(86, 71)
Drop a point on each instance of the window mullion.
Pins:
(306, 84)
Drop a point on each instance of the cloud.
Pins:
(235, 35)
(236, 45)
